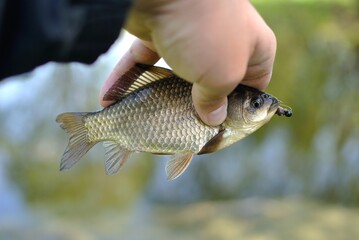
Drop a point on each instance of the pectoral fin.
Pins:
(178, 164)
(116, 156)
(213, 144)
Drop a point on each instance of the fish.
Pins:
(154, 113)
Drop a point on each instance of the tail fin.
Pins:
(78, 145)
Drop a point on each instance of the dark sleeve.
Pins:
(37, 31)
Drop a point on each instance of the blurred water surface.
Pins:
(295, 178)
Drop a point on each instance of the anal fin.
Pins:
(178, 164)
(116, 156)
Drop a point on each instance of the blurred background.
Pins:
(295, 178)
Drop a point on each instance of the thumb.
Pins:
(211, 109)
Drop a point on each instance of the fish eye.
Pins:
(257, 103)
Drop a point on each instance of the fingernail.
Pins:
(217, 116)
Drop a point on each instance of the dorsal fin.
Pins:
(137, 77)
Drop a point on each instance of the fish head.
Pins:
(249, 108)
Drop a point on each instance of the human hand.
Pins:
(214, 44)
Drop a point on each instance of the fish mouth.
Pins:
(280, 109)
(275, 104)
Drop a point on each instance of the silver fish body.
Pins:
(157, 119)
(154, 113)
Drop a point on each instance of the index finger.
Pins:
(209, 96)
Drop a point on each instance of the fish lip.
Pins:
(274, 105)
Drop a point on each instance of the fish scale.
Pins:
(153, 120)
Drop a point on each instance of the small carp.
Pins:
(154, 113)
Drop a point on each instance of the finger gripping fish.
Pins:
(154, 113)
